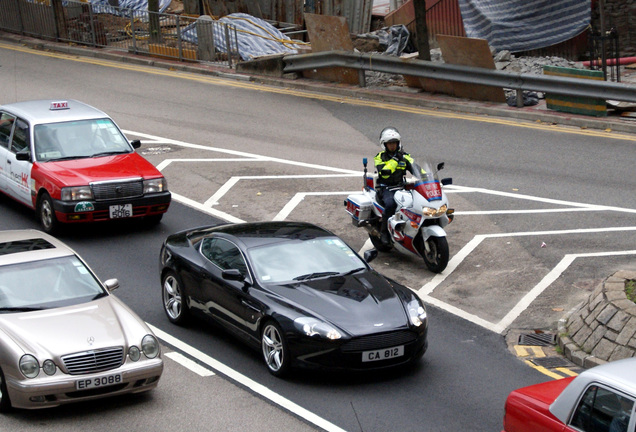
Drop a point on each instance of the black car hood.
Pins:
(362, 303)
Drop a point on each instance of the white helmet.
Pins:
(390, 134)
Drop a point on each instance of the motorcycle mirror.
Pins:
(447, 181)
(370, 255)
(440, 166)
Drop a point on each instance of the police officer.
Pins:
(391, 164)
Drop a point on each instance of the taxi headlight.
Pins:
(150, 346)
(315, 327)
(417, 313)
(29, 366)
(77, 193)
(433, 212)
(155, 185)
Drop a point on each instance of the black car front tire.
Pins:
(275, 349)
(174, 301)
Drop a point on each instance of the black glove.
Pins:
(398, 157)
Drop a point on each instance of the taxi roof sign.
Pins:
(59, 105)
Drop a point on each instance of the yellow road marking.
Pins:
(567, 371)
(525, 351)
(544, 370)
(306, 94)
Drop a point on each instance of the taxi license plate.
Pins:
(98, 382)
(383, 354)
(121, 211)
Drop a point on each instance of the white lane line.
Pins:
(212, 212)
(189, 364)
(553, 275)
(243, 154)
(245, 381)
(298, 198)
(163, 164)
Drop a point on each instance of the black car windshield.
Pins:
(47, 284)
(79, 139)
(303, 260)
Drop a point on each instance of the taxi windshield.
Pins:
(79, 139)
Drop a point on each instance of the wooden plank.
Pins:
(329, 33)
(465, 52)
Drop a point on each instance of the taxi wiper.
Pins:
(108, 153)
(315, 275)
(65, 158)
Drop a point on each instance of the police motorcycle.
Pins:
(422, 213)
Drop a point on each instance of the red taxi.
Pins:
(601, 399)
(71, 163)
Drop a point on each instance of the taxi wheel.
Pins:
(5, 402)
(46, 213)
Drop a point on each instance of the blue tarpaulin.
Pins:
(256, 37)
(522, 25)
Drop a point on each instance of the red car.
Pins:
(601, 399)
(71, 164)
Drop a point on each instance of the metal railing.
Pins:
(464, 74)
(140, 32)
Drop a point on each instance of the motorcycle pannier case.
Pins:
(359, 207)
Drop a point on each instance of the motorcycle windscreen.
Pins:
(431, 190)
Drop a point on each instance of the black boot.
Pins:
(384, 232)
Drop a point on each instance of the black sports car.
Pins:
(295, 291)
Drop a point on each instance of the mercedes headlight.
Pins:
(417, 313)
(313, 327)
(49, 367)
(155, 185)
(433, 212)
(150, 346)
(29, 366)
(77, 193)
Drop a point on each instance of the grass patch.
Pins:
(630, 289)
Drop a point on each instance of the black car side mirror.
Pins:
(232, 274)
(370, 255)
(136, 143)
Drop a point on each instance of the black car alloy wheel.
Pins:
(275, 350)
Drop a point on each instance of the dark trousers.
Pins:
(389, 202)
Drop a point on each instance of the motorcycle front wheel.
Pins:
(435, 253)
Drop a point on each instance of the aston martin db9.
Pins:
(294, 291)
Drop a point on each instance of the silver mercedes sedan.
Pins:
(63, 336)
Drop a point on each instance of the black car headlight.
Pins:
(313, 327)
(417, 313)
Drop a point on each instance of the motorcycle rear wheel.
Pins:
(436, 259)
(378, 245)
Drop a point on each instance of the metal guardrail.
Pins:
(464, 74)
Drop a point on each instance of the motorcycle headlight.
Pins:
(417, 313)
(29, 366)
(313, 327)
(155, 185)
(150, 346)
(433, 212)
(77, 193)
